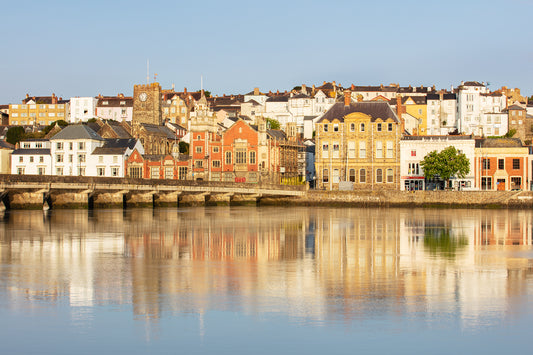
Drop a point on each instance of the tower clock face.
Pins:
(143, 96)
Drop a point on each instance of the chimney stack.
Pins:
(304, 89)
(347, 97)
(256, 91)
(54, 99)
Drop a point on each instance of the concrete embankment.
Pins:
(460, 199)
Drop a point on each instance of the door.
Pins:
(501, 184)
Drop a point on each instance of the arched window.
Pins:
(362, 176)
(352, 175)
(362, 127)
(390, 175)
(379, 175)
(352, 127)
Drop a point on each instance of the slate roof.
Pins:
(472, 83)
(375, 109)
(277, 134)
(436, 137)
(115, 146)
(159, 129)
(516, 107)
(78, 131)
(32, 151)
(6, 145)
(498, 143)
(418, 100)
(115, 101)
(280, 98)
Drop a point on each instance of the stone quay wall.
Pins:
(451, 199)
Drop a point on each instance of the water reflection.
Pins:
(316, 264)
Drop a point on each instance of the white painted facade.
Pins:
(413, 149)
(32, 158)
(82, 109)
(104, 163)
(70, 156)
(476, 107)
(441, 114)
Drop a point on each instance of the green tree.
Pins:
(446, 164)
(272, 123)
(184, 147)
(15, 134)
(510, 133)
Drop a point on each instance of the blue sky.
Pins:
(85, 48)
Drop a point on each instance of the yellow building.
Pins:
(414, 114)
(357, 147)
(175, 109)
(38, 110)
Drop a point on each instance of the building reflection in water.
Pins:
(317, 264)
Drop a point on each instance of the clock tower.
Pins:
(147, 104)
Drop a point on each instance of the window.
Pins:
(413, 153)
(352, 127)
(100, 171)
(390, 127)
(114, 171)
(362, 149)
(81, 146)
(325, 175)
(215, 149)
(325, 127)
(390, 176)
(335, 150)
(336, 127)
(70, 158)
(486, 183)
(325, 148)
(216, 163)
(31, 159)
(40, 171)
(59, 158)
(240, 156)
(362, 127)
(182, 172)
(379, 150)
(228, 157)
(169, 172)
(136, 172)
(351, 149)
(390, 150)
(81, 158)
(362, 175)
(486, 163)
(252, 157)
(199, 164)
(198, 149)
(81, 171)
(501, 164)
(154, 172)
(379, 175)
(100, 159)
(21, 159)
(352, 175)
(414, 169)
(59, 171)
(70, 145)
(378, 127)
(41, 159)
(59, 145)
(20, 171)
(516, 164)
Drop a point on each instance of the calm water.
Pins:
(246, 280)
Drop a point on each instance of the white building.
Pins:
(413, 149)
(82, 109)
(118, 108)
(479, 111)
(108, 160)
(441, 113)
(32, 158)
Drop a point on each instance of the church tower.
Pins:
(147, 104)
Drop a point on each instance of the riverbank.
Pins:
(445, 199)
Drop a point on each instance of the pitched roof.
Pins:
(31, 151)
(78, 131)
(375, 109)
(6, 145)
(115, 146)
